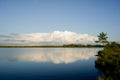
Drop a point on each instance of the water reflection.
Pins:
(55, 56)
(40, 64)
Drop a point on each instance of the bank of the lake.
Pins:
(55, 46)
(109, 62)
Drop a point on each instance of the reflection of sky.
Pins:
(56, 56)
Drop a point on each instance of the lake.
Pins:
(48, 64)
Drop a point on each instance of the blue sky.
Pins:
(80, 16)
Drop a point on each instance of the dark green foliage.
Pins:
(102, 38)
(54, 46)
(73, 45)
(80, 45)
(109, 62)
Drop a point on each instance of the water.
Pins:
(48, 64)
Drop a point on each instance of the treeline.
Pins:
(109, 62)
(81, 45)
(54, 46)
(51, 46)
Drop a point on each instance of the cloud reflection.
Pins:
(56, 56)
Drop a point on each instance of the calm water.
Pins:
(48, 64)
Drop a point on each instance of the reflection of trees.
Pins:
(109, 62)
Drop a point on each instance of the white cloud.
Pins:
(56, 37)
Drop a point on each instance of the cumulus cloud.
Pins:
(53, 38)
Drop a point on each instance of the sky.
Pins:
(80, 17)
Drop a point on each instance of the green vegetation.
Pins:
(102, 38)
(80, 45)
(109, 61)
(54, 46)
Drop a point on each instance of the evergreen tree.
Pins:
(102, 38)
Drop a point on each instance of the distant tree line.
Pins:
(81, 45)
(55, 46)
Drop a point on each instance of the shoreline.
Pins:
(50, 47)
